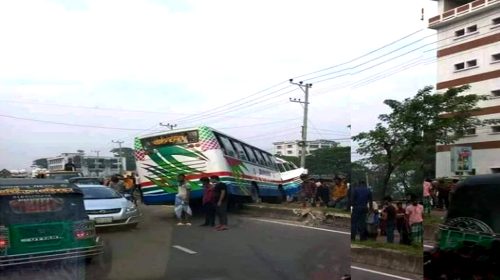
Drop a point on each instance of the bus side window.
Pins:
(250, 153)
(228, 148)
(260, 159)
(281, 168)
(269, 160)
(239, 149)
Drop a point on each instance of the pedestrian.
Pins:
(116, 184)
(414, 214)
(322, 193)
(128, 183)
(402, 225)
(383, 220)
(427, 187)
(138, 186)
(308, 191)
(390, 221)
(361, 197)
(443, 194)
(372, 223)
(182, 209)
(339, 194)
(70, 166)
(208, 202)
(221, 196)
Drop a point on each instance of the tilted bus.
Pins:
(203, 151)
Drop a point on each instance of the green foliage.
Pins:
(405, 139)
(336, 160)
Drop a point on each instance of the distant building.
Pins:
(21, 173)
(41, 163)
(293, 149)
(4, 173)
(469, 53)
(88, 165)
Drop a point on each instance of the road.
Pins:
(366, 272)
(250, 249)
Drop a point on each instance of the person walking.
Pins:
(208, 202)
(308, 191)
(322, 193)
(414, 213)
(361, 197)
(221, 196)
(427, 187)
(390, 222)
(116, 184)
(182, 209)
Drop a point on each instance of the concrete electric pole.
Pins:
(305, 88)
(171, 126)
(120, 154)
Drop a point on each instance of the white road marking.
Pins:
(301, 226)
(380, 273)
(428, 246)
(185, 250)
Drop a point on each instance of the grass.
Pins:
(416, 250)
(432, 220)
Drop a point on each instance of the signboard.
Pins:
(461, 159)
(179, 138)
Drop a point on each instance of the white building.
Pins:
(88, 165)
(292, 148)
(469, 53)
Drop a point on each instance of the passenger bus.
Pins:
(203, 151)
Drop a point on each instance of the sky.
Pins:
(79, 74)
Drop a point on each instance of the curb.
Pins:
(389, 259)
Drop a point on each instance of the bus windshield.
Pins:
(179, 138)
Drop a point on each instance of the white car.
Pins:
(106, 207)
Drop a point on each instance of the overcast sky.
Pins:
(129, 65)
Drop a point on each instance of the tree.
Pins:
(415, 125)
(335, 160)
(128, 154)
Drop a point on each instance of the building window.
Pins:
(313, 146)
(495, 170)
(470, 131)
(459, 66)
(472, 63)
(289, 152)
(495, 57)
(495, 93)
(289, 146)
(472, 28)
(460, 33)
(495, 129)
(278, 147)
(496, 21)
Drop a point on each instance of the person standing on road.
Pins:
(221, 197)
(116, 184)
(322, 193)
(390, 215)
(361, 197)
(70, 166)
(402, 224)
(182, 209)
(427, 195)
(208, 202)
(414, 212)
(308, 191)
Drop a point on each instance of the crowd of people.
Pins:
(437, 194)
(319, 192)
(371, 222)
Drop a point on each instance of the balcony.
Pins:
(468, 9)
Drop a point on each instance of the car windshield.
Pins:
(99, 193)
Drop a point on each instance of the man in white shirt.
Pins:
(182, 209)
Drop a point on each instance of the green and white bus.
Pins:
(203, 151)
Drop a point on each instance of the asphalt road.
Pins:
(366, 272)
(250, 249)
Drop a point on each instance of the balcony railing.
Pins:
(461, 10)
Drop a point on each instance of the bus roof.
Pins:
(196, 128)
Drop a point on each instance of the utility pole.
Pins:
(120, 154)
(96, 163)
(171, 126)
(305, 88)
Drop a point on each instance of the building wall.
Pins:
(283, 148)
(483, 78)
(482, 161)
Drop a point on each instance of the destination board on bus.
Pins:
(171, 139)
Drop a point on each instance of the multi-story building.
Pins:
(88, 165)
(293, 149)
(469, 53)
